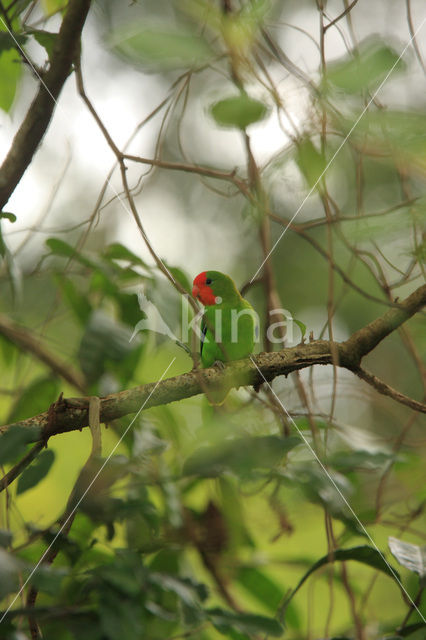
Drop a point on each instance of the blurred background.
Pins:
(311, 118)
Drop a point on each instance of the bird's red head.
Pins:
(202, 290)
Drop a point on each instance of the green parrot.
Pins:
(229, 325)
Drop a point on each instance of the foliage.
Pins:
(271, 516)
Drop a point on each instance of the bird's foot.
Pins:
(219, 365)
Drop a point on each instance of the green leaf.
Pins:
(301, 326)
(119, 617)
(366, 70)
(9, 216)
(347, 461)
(46, 39)
(10, 73)
(9, 41)
(52, 6)
(238, 111)
(395, 224)
(410, 629)
(21, 4)
(260, 586)
(36, 471)
(233, 512)
(13, 443)
(104, 340)
(310, 162)
(394, 133)
(121, 578)
(142, 527)
(77, 301)
(124, 573)
(38, 396)
(60, 543)
(411, 556)
(249, 623)
(117, 251)
(236, 635)
(190, 592)
(129, 309)
(10, 568)
(167, 560)
(241, 455)
(363, 554)
(102, 281)
(181, 277)
(324, 490)
(49, 579)
(61, 248)
(163, 49)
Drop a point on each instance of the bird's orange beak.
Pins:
(195, 291)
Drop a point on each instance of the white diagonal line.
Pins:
(28, 61)
(314, 454)
(86, 492)
(312, 189)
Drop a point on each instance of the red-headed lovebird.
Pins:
(229, 324)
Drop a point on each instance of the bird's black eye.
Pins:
(208, 281)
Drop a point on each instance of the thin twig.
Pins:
(341, 15)
(387, 390)
(16, 471)
(299, 230)
(192, 168)
(413, 36)
(123, 169)
(25, 340)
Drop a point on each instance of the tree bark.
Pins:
(70, 414)
(40, 113)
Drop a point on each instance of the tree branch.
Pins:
(300, 230)
(25, 340)
(341, 15)
(208, 172)
(38, 117)
(16, 471)
(387, 390)
(72, 413)
(366, 339)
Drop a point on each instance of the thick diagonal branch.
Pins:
(366, 339)
(39, 114)
(72, 413)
